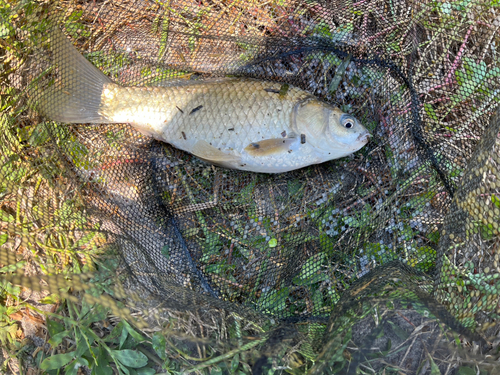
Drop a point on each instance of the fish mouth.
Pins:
(364, 137)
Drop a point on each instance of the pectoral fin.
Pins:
(205, 151)
(269, 146)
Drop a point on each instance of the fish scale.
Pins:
(261, 115)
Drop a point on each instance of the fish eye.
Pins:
(347, 121)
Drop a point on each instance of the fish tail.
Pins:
(75, 96)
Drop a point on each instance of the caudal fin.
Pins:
(75, 96)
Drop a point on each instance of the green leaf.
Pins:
(446, 8)
(461, 77)
(72, 368)
(145, 371)
(9, 288)
(130, 358)
(342, 31)
(235, 363)
(51, 299)
(189, 232)
(326, 243)
(434, 236)
(39, 358)
(13, 267)
(164, 35)
(102, 367)
(430, 111)
(283, 90)
(81, 337)
(273, 242)
(132, 332)
(7, 333)
(85, 240)
(273, 300)
(159, 344)
(294, 187)
(466, 371)
(434, 367)
(57, 338)
(6, 217)
(495, 200)
(387, 349)
(54, 327)
(312, 266)
(9, 310)
(340, 345)
(339, 74)
(401, 333)
(123, 337)
(39, 135)
(115, 333)
(5, 30)
(317, 300)
(216, 370)
(3, 238)
(124, 369)
(96, 314)
(475, 75)
(166, 251)
(380, 331)
(247, 192)
(495, 72)
(487, 231)
(56, 361)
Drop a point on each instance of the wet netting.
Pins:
(124, 252)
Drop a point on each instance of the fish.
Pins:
(236, 123)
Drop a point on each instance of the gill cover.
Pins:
(310, 117)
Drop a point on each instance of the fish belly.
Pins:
(229, 115)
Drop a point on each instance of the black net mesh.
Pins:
(383, 261)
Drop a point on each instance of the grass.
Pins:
(81, 331)
(248, 248)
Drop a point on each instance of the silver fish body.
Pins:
(241, 124)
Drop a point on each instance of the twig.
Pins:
(455, 64)
(359, 3)
(227, 281)
(405, 318)
(408, 350)
(373, 37)
(493, 34)
(227, 355)
(479, 112)
(367, 174)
